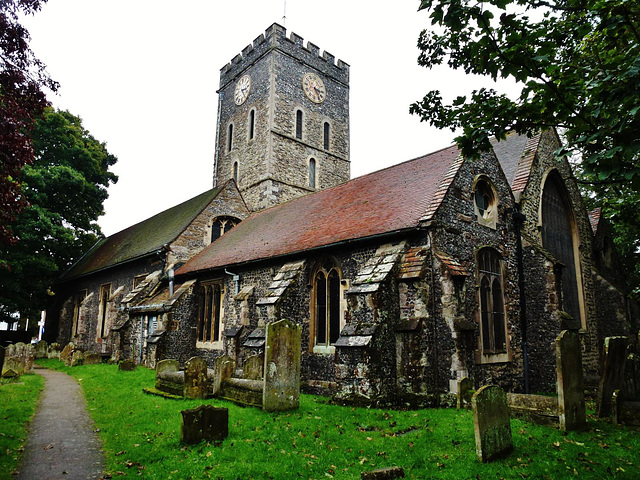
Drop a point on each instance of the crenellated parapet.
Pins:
(275, 37)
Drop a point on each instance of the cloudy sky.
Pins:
(143, 75)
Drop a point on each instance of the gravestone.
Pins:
(19, 357)
(54, 350)
(42, 349)
(282, 366)
(167, 365)
(611, 373)
(67, 351)
(465, 392)
(205, 422)
(196, 382)
(1, 359)
(127, 365)
(223, 368)
(570, 384)
(492, 423)
(76, 359)
(252, 367)
(92, 358)
(388, 473)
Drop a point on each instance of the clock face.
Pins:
(243, 87)
(313, 88)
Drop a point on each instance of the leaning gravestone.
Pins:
(67, 351)
(92, 358)
(252, 367)
(570, 384)
(54, 351)
(76, 359)
(223, 368)
(127, 365)
(1, 359)
(465, 392)
(611, 373)
(19, 357)
(492, 423)
(42, 349)
(196, 382)
(282, 366)
(388, 473)
(205, 422)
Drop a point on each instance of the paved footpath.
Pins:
(62, 443)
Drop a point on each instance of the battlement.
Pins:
(275, 37)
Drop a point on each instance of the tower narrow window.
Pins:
(326, 135)
(105, 292)
(252, 123)
(230, 138)
(312, 172)
(299, 124)
(235, 171)
(493, 325)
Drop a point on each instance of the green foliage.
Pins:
(141, 435)
(65, 189)
(18, 400)
(577, 64)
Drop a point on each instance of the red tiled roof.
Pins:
(396, 198)
(594, 219)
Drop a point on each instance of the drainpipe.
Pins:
(171, 276)
(518, 220)
(236, 278)
(141, 339)
(217, 154)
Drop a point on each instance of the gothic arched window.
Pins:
(252, 123)
(492, 316)
(235, 171)
(210, 315)
(485, 204)
(222, 225)
(326, 310)
(312, 172)
(230, 137)
(559, 236)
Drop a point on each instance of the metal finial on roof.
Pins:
(284, 15)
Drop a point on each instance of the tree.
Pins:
(577, 64)
(22, 100)
(65, 189)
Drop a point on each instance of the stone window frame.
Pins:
(103, 311)
(78, 302)
(207, 314)
(235, 171)
(222, 218)
(230, 129)
(150, 323)
(138, 279)
(326, 266)
(312, 161)
(326, 135)
(298, 124)
(251, 124)
(553, 174)
(487, 216)
(491, 276)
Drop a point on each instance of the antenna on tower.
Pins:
(284, 15)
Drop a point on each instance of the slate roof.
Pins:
(141, 239)
(516, 154)
(394, 199)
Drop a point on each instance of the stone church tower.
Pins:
(283, 122)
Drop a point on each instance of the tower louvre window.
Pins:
(299, 124)
(327, 130)
(230, 138)
(252, 123)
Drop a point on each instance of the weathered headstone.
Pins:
(67, 351)
(167, 365)
(205, 422)
(42, 349)
(1, 359)
(492, 423)
(465, 392)
(282, 366)
(19, 357)
(388, 473)
(223, 368)
(253, 367)
(611, 373)
(92, 358)
(127, 365)
(54, 350)
(196, 382)
(76, 359)
(570, 384)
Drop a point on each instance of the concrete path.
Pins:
(62, 443)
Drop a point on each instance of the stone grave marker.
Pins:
(66, 351)
(42, 349)
(92, 358)
(282, 366)
(223, 368)
(252, 367)
(205, 422)
(492, 423)
(570, 384)
(196, 382)
(54, 351)
(127, 365)
(2, 351)
(465, 392)
(76, 359)
(611, 373)
(388, 473)
(19, 357)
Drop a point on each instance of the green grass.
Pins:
(141, 434)
(18, 400)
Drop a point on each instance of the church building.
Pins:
(404, 280)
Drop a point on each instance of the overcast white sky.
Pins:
(143, 75)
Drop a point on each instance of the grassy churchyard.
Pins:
(141, 435)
